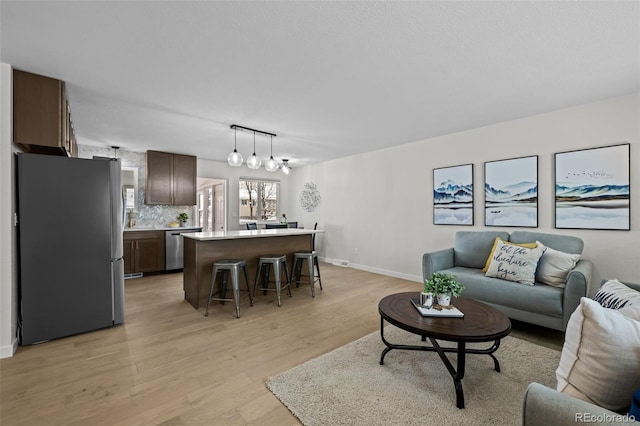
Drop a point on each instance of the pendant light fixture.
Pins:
(235, 159)
(285, 166)
(254, 162)
(271, 165)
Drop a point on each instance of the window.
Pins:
(258, 200)
(205, 209)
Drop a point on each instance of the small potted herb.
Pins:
(183, 218)
(444, 286)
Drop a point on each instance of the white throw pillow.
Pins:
(554, 266)
(600, 361)
(615, 295)
(514, 263)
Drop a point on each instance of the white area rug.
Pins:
(348, 386)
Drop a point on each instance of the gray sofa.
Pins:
(540, 304)
(544, 406)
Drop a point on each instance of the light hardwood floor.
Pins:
(169, 365)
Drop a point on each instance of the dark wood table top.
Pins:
(481, 322)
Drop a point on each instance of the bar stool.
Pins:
(312, 260)
(279, 263)
(228, 266)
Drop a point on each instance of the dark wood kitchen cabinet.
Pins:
(171, 179)
(143, 251)
(42, 115)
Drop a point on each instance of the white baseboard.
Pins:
(408, 277)
(7, 351)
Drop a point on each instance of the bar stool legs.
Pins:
(279, 263)
(232, 267)
(312, 261)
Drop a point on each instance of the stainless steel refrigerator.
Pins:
(70, 246)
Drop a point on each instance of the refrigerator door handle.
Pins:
(117, 283)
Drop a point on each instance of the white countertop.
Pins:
(257, 233)
(166, 228)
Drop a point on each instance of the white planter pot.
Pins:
(444, 299)
(426, 299)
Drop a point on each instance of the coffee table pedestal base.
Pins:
(461, 350)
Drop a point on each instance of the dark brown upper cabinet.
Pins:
(42, 115)
(171, 179)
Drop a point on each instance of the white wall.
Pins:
(222, 170)
(8, 258)
(377, 212)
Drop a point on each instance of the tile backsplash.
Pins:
(149, 216)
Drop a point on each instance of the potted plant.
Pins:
(183, 218)
(428, 292)
(444, 286)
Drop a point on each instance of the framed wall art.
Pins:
(592, 188)
(453, 195)
(511, 192)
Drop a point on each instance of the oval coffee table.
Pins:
(481, 323)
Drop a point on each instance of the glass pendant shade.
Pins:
(285, 167)
(235, 159)
(271, 165)
(254, 162)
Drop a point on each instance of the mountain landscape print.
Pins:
(453, 195)
(511, 192)
(592, 188)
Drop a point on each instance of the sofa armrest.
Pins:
(437, 261)
(578, 285)
(544, 406)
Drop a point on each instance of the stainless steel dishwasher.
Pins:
(174, 247)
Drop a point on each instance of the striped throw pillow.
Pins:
(615, 295)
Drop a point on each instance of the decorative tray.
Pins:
(436, 311)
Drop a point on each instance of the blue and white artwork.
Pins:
(453, 195)
(592, 188)
(511, 192)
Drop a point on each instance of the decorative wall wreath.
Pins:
(310, 196)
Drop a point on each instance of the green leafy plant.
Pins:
(182, 217)
(441, 283)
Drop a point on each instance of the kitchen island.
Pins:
(202, 249)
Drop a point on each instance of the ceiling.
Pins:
(331, 79)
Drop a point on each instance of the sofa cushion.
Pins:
(615, 295)
(554, 266)
(515, 263)
(565, 243)
(600, 360)
(542, 299)
(472, 248)
(495, 244)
